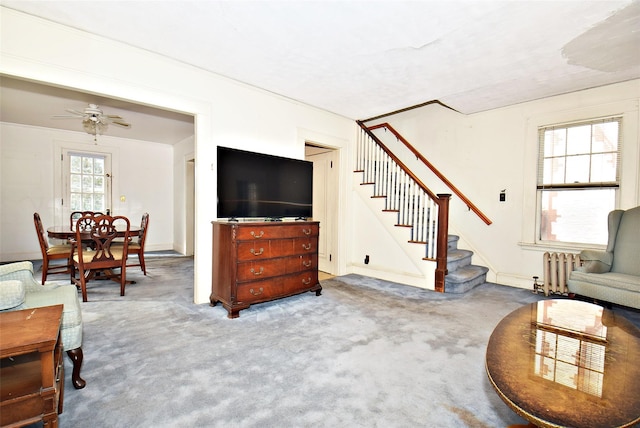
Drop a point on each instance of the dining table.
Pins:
(65, 232)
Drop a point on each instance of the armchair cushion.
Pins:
(11, 294)
(594, 261)
(67, 295)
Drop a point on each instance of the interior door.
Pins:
(86, 182)
(325, 206)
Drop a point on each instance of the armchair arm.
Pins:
(21, 271)
(594, 261)
(15, 267)
(12, 294)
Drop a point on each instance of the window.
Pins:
(88, 182)
(578, 180)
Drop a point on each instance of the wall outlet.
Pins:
(366, 259)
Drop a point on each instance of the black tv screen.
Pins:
(254, 185)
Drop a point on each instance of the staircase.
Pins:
(419, 209)
(462, 276)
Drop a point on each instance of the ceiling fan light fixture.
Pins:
(94, 126)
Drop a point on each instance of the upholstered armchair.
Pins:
(19, 290)
(613, 275)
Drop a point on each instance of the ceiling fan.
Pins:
(94, 120)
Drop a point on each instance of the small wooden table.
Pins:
(31, 366)
(561, 363)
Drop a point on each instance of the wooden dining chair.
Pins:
(51, 252)
(101, 256)
(136, 246)
(76, 215)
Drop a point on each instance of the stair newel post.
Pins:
(443, 233)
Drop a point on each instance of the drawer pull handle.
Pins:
(306, 231)
(257, 235)
(306, 281)
(306, 246)
(257, 253)
(253, 271)
(256, 293)
(306, 263)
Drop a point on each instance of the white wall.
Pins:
(227, 113)
(30, 182)
(494, 150)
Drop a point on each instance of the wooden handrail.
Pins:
(399, 162)
(433, 169)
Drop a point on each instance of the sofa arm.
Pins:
(594, 261)
(15, 267)
(21, 271)
(12, 294)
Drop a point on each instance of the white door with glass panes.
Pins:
(86, 182)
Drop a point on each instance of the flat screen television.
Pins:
(254, 185)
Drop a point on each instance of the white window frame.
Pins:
(574, 111)
(565, 184)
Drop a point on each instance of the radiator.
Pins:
(556, 271)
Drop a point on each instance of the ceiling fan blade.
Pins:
(123, 124)
(113, 116)
(64, 116)
(75, 112)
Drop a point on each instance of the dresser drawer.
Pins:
(258, 231)
(260, 291)
(266, 249)
(255, 270)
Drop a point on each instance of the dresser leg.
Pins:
(76, 356)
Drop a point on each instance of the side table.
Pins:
(566, 363)
(31, 366)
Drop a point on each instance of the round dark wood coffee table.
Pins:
(566, 363)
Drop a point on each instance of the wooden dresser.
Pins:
(256, 262)
(31, 367)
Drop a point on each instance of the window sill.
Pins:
(560, 247)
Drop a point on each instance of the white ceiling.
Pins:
(30, 103)
(365, 58)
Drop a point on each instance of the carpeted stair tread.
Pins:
(465, 278)
(465, 273)
(457, 259)
(457, 254)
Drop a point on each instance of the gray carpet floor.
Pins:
(366, 353)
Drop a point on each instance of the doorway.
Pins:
(325, 202)
(190, 205)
